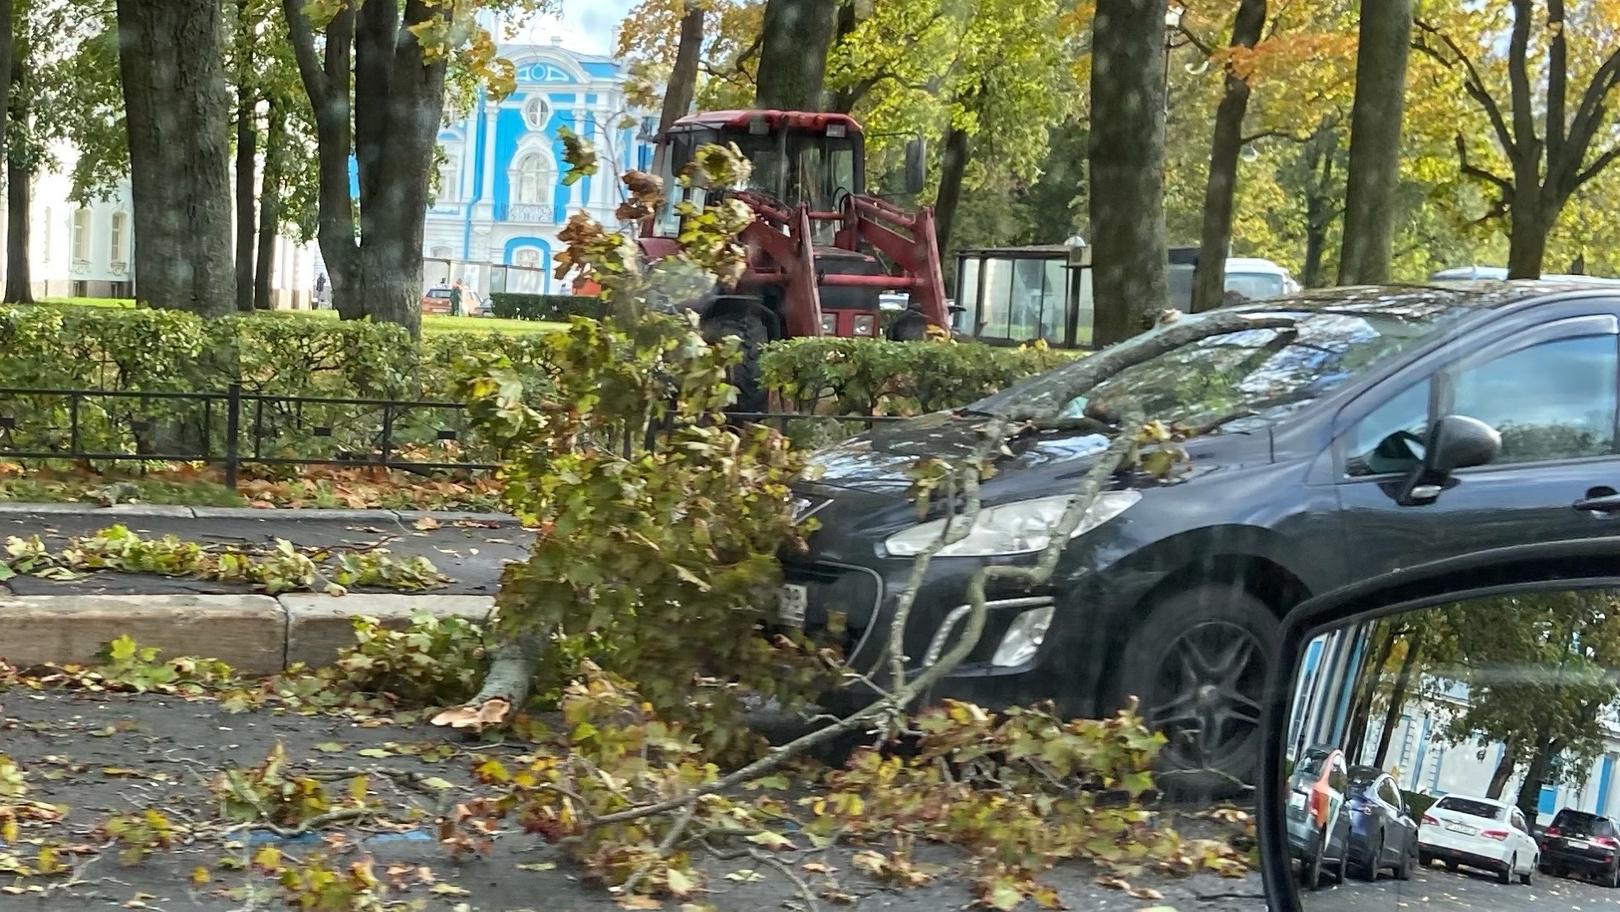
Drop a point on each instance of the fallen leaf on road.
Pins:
(1147, 893)
(445, 889)
(374, 753)
(538, 866)
(425, 524)
(329, 747)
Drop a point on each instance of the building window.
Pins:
(450, 174)
(533, 180)
(115, 237)
(81, 235)
(536, 111)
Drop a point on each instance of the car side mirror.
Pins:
(916, 174)
(1455, 442)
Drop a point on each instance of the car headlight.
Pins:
(1021, 527)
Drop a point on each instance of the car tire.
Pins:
(1612, 880)
(1506, 874)
(1310, 869)
(1452, 865)
(1181, 663)
(1369, 871)
(745, 375)
(1408, 865)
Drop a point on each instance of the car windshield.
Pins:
(1481, 809)
(1238, 380)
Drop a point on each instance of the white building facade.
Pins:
(87, 250)
(501, 200)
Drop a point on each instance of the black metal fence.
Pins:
(237, 427)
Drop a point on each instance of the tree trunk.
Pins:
(845, 99)
(952, 164)
(1131, 273)
(269, 206)
(793, 54)
(1530, 789)
(1503, 772)
(326, 76)
(175, 103)
(1527, 235)
(682, 85)
(1319, 214)
(1375, 141)
(1397, 698)
(1362, 698)
(247, 134)
(1215, 238)
(8, 57)
(19, 189)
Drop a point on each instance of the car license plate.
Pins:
(1577, 844)
(1296, 800)
(791, 601)
(1463, 828)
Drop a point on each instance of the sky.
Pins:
(583, 25)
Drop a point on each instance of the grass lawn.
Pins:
(432, 324)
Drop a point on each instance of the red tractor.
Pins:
(820, 250)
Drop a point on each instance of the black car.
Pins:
(1317, 457)
(1382, 831)
(1582, 843)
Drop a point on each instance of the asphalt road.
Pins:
(1436, 889)
(471, 555)
(103, 755)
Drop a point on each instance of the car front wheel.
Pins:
(1199, 665)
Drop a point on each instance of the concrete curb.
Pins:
(297, 514)
(255, 634)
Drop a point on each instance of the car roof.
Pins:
(1254, 264)
(1418, 300)
(1360, 771)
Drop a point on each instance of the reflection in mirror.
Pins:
(1460, 756)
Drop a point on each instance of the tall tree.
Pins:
(391, 59)
(793, 54)
(20, 165)
(1215, 238)
(1131, 273)
(269, 205)
(1550, 149)
(1375, 141)
(176, 107)
(682, 86)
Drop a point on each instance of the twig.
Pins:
(764, 858)
(317, 822)
(664, 847)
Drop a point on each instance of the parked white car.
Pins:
(1258, 279)
(1464, 831)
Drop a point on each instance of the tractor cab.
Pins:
(798, 158)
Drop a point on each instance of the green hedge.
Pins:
(876, 377)
(278, 353)
(559, 308)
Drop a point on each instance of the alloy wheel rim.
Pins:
(1213, 674)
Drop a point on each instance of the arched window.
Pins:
(115, 237)
(450, 174)
(532, 180)
(536, 111)
(81, 234)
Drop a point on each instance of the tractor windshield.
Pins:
(801, 166)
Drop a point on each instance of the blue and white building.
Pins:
(501, 199)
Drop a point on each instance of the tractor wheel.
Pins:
(910, 326)
(752, 396)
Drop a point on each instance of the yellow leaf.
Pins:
(680, 884)
(200, 875)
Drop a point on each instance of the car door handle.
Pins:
(1599, 500)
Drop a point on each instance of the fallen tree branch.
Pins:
(511, 672)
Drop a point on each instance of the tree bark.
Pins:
(1502, 773)
(793, 54)
(1535, 776)
(682, 85)
(1215, 238)
(952, 165)
(845, 99)
(175, 103)
(1397, 697)
(247, 134)
(1375, 141)
(19, 189)
(19, 186)
(1129, 252)
(1362, 699)
(8, 56)
(269, 206)
(1319, 200)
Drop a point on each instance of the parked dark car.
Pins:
(1382, 831)
(1359, 440)
(1581, 843)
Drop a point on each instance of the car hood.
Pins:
(881, 462)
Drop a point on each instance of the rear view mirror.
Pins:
(916, 174)
(1453, 698)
